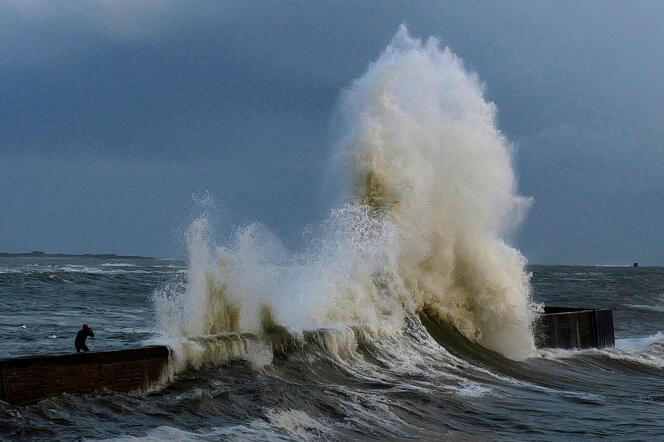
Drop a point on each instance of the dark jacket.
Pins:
(82, 335)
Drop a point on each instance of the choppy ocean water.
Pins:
(428, 383)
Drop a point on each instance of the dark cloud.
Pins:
(113, 113)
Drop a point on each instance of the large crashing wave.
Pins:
(433, 197)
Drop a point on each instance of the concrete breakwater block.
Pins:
(29, 379)
(572, 327)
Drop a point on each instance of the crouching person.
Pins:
(81, 336)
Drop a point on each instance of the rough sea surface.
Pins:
(404, 314)
(427, 383)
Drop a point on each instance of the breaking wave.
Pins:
(430, 204)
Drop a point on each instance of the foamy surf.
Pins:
(278, 424)
(647, 351)
(424, 226)
(405, 316)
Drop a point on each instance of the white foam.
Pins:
(473, 389)
(433, 200)
(639, 344)
(646, 350)
(278, 425)
(422, 143)
(654, 308)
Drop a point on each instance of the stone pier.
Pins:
(29, 379)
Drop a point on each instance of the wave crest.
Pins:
(433, 199)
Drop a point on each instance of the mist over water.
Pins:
(431, 200)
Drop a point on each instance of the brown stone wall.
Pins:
(29, 379)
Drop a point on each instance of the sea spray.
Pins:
(254, 283)
(433, 198)
(422, 147)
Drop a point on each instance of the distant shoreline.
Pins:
(38, 254)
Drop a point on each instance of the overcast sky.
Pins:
(114, 113)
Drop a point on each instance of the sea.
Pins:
(405, 312)
(429, 383)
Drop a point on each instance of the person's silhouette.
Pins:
(81, 336)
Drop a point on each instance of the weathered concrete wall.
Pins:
(562, 327)
(29, 379)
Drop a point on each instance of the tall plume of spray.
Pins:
(424, 151)
(433, 197)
